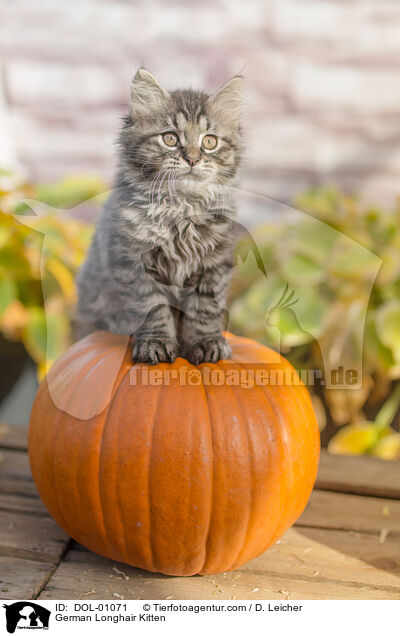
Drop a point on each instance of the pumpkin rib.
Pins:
(250, 445)
(53, 471)
(123, 387)
(269, 396)
(116, 389)
(209, 522)
(221, 365)
(81, 469)
(266, 397)
(59, 417)
(149, 483)
(284, 423)
(117, 498)
(273, 534)
(100, 507)
(191, 469)
(276, 534)
(251, 471)
(127, 450)
(194, 428)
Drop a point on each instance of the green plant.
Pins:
(342, 260)
(39, 258)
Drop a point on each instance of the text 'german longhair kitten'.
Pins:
(160, 261)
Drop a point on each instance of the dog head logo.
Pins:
(26, 615)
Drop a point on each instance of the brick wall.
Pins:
(322, 80)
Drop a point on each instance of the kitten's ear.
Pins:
(146, 94)
(227, 101)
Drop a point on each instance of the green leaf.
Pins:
(71, 191)
(247, 313)
(8, 293)
(5, 235)
(301, 269)
(353, 261)
(314, 240)
(285, 321)
(14, 261)
(312, 309)
(390, 269)
(388, 447)
(64, 278)
(388, 326)
(376, 354)
(45, 337)
(354, 439)
(57, 336)
(35, 334)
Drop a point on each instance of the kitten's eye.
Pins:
(170, 139)
(209, 142)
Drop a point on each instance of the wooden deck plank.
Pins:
(31, 544)
(35, 538)
(339, 511)
(17, 491)
(69, 584)
(22, 578)
(19, 487)
(15, 465)
(361, 475)
(307, 563)
(23, 504)
(351, 558)
(12, 436)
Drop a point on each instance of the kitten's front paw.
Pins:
(208, 350)
(154, 350)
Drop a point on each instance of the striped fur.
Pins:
(159, 264)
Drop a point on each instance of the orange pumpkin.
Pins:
(185, 476)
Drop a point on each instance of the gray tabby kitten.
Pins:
(159, 265)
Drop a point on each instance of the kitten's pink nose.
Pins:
(192, 160)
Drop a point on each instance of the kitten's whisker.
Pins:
(157, 186)
(171, 198)
(174, 180)
(151, 192)
(159, 181)
(160, 186)
(153, 185)
(149, 163)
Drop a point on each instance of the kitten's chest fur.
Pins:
(185, 250)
